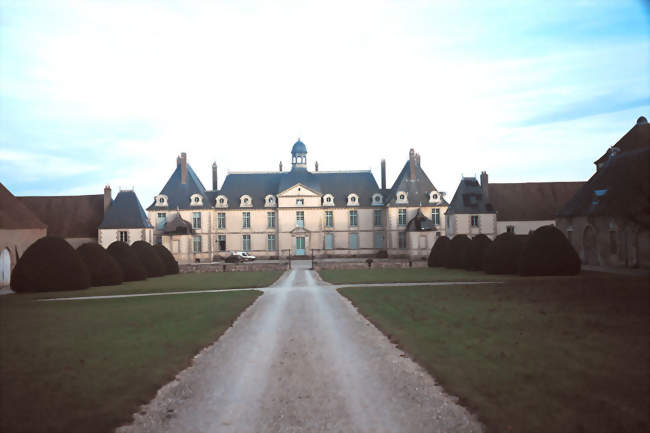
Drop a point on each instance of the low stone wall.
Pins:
(233, 267)
(376, 264)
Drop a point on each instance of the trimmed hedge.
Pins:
(479, 244)
(438, 255)
(49, 264)
(502, 256)
(459, 252)
(132, 268)
(548, 252)
(104, 270)
(149, 258)
(169, 262)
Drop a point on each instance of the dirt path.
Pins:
(301, 359)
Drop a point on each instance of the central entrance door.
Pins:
(300, 246)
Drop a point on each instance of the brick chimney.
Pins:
(383, 174)
(183, 168)
(484, 186)
(417, 159)
(316, 166)
(108, 198)
(214, 176)
(412, 164)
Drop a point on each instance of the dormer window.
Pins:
(377, 199)
(161, 200)
(434, 197)
(222, 201)
(196, 200)
(402, 197)
(328, 200)
(245, 201)
(300, 202)
(353, 200)
(269, 201)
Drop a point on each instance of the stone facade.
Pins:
(281, 214)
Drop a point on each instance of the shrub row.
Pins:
(546, 251)
(51, 264)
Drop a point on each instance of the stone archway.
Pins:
(5, 267)
(590, 246)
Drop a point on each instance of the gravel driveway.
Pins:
(301, 359)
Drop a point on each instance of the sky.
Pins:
(110, 92)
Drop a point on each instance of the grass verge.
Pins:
(174, 283)
(410, 275)
(86, 366)
(533, 355)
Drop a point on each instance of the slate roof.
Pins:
(75, 216)
(259, 185)
(635, 138)
(469, 199)
(125, 212)
(417, 190)
(14, 214)
(533, 201)
(619, 188)
(420, 223)
(299, 147)
(179, 194)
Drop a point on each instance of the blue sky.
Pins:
(109, 92)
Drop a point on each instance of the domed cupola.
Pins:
(299, 155)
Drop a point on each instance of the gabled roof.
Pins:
(299, 175)
(125, 212)
(179, 194)
(76, 216)
(417, 190)
(532, 201)
(14, 214)
(619, 188)
(635, 138)
(469, 199)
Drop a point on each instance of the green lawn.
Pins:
(530, 355)
(175, 283)
(86, 366)
(410, 275)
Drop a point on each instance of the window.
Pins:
(329, 241)
(474, 220)
(270, 240)
(246, 220)
(510, 229)
(353, 218)
(246, 243)
(221, 201)
(196, 244)
(197, 200)
(354, 241)
(402, 240)
(379, 240)
(434, 196)
(435, 216)
(300, 202)
(196, 220)
(221, 220)
(613, 247)
(157, 240)
(162, 219)
(437, 235)
(161, 200)
(402, 196)
(401, 217)
(353, 199)
(329, 218)
(328, 199)
(378, 221)
(124, 236)
(270, 220)
(221, 242)
(300, 218)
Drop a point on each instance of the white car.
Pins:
(243, 256)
